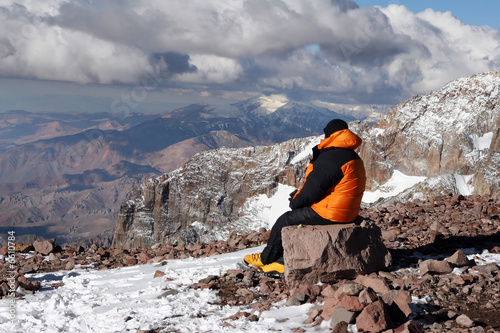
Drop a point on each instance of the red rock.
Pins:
(412, 280)
(310, 291)
(367, 296)
(378, 284)
(27, 284)
(159, 274)
(144, 257)
(44, 247)
(439, 228)
(4, 250)
(351, 303)
(131, 261)
(253, 317)
(328, 291)
(312, 314)
(328, 253)
(4, 289)
(403, 300)
(329, 308)
(432, 266)
(238, 315)
(373, 318)
(459, 259)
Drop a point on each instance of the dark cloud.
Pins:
(329, 49)
(176, 63)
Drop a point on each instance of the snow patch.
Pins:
(397, 184)
(482, 142)
(261, 211)
(272, 102)
(463, 183)
(306, 152)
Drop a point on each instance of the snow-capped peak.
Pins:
(272, 102)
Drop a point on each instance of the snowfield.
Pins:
(130, 298)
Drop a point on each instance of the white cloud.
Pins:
(369, 55)
(211, 69)
(454, 48)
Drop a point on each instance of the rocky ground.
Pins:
(425, 238)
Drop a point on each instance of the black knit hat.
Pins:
(334, 126)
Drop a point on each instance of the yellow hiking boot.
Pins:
(274, 269)
(253, 260)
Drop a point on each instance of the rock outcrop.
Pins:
(330, 253)
(204, 198)
(454, 130)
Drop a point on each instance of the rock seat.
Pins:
(330, 253)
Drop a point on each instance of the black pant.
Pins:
(274, 248)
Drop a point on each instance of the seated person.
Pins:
(331, 193)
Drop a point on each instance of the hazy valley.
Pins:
(65, 175)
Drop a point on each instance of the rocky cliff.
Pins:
(446, 136)
(204, 199)
(452, 131)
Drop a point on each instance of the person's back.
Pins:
(335, 179)
(331, 193)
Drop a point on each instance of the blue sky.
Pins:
(477, 12)
(156, 55)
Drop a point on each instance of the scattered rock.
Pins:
(168, 293)
(341, 327)
(460, 259)
(410, 326)
(70, 264)
(452, 302)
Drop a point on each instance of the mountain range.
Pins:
(139, 179)
(65, 175)
(450, 138)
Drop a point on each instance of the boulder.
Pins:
(330, 253)
(44, 247)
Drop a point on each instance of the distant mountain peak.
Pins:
(272, 102)
(262, 105)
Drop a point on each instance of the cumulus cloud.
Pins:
(331, 50)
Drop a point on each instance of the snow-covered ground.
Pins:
(128, 299)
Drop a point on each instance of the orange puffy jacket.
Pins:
(335, 179)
